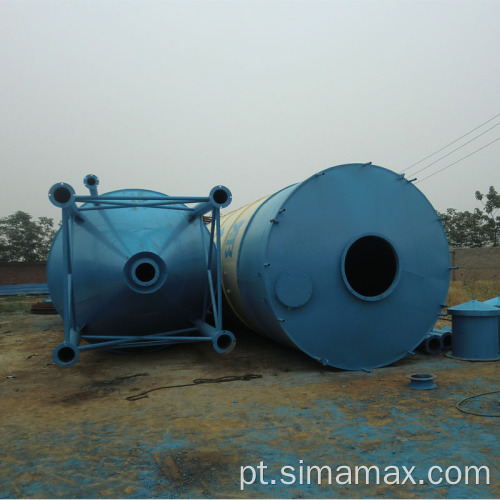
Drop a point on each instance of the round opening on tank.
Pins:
(145, 272)
(66, 355)
(91, 181)
(220, 196)
(62, 195)
(370, 267)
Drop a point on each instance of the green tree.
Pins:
(491, 215)
(480, 228)
(464, 229)
(23, 239)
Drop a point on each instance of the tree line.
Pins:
(24, 239)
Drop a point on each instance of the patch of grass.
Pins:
(461, 292)
(14, 304)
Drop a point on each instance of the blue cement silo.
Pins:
(350, 266)
(475, 331)
(135, 269)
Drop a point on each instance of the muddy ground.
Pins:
(77, 433)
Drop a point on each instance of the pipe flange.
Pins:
(91, 181)
(62, 195)
(422, 381)
(66, 354)
(220, 196)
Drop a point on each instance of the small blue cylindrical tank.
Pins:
(495, 302)
(351, 266)
(475, 331)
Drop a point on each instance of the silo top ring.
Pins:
(474, 308)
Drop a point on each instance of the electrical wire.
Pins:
(456, 149)
(198, 381)
(455, 162)
(471, 412)
(453, 142)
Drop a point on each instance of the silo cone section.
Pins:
(350, 266)
(136, 271)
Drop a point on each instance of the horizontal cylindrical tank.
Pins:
(351, 266)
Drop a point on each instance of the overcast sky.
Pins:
(178, 96)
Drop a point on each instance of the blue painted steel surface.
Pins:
(26, 289)
(351, 266)
(135, 268)
(495, 302)
(475, 331)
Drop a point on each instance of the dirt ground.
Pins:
(72, 432)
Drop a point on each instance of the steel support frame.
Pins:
(71, 214)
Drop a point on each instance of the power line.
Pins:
(453, 142)
(455, 162)
(456, 149)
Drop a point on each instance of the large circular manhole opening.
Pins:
(370, 267)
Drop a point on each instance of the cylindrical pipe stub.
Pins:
(422, 381)
(433, 344)
(447, 340)
(91, 182)
(220, 196)
(66, 355)
(222, 340)
(62, 195)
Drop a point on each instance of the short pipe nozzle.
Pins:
(91, 182)
(222, 340)
(220, 196)
(433, 344)
(66, 355)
